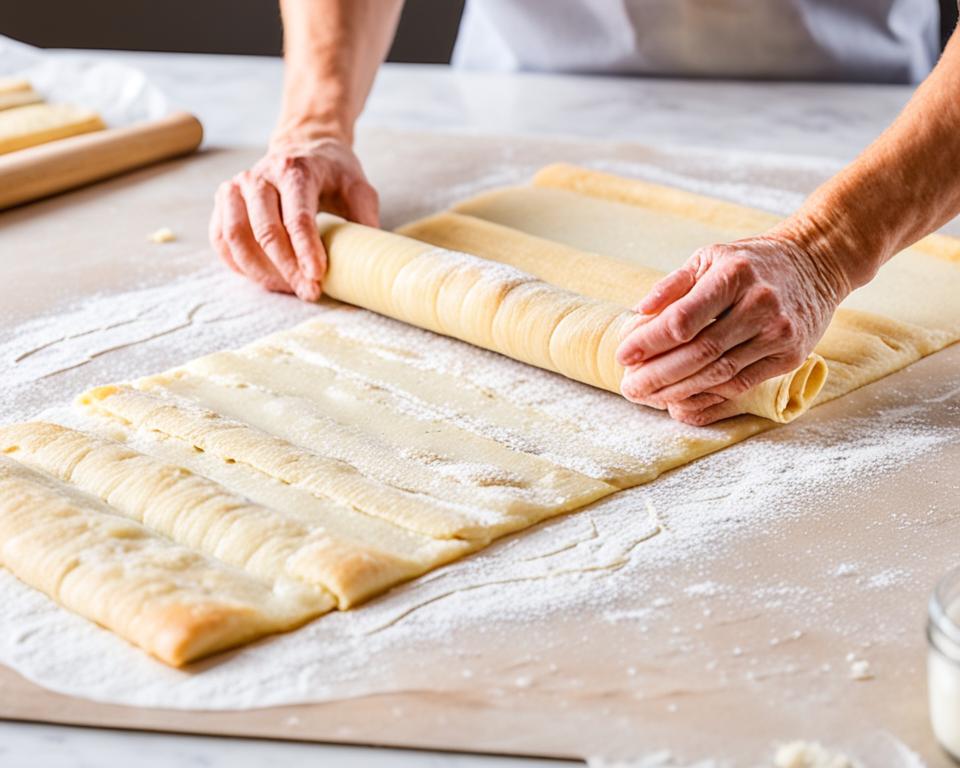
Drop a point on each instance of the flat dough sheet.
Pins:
(27, 126)
(252, 490)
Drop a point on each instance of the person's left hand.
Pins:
(733, 316)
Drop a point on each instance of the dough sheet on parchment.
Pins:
(252, 490)
(25, 123)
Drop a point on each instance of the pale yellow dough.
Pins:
(173, 602)
(601, 235)
(16, 92)
(251, 490)
(28, 126)
(560, 322)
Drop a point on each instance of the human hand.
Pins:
(733, 316)
(263, 224)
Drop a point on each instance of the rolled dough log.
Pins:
(907, 311)
(39, 123)
(501, 308)
(259, 487)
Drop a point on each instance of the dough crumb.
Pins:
(860, 670)
(809, 754)
(162, 235)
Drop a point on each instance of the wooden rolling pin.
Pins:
(30, 174)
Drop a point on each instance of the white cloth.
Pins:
(892, 41)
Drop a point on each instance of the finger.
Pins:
(717, 373)
(710, 353)
(362, 203)
(680, 322)
(674, 286)
(688, 412)
(754, 374)
(263, 207)
(244, 249)
(215, 233)
(632, 323)
(723, 410)
(299, 203)
(694, 404)
(740, 349)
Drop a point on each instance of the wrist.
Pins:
(309, 131)
(843, 257)
(827, 254)
(313, 112)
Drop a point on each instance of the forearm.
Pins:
(904, 186)
(332, 49)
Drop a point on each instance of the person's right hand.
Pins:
(263, 224)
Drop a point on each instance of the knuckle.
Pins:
(234, 233)
(725, 368)
(765, 296)
(707, 349)
(702, 259)
(740, 266)
(783, 327)
(737, 386)
(293, 167)
(302, 221)
(268, 233)
(679, 326)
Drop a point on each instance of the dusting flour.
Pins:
(739, 572)
(584, 562)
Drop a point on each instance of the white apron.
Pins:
(888, 41)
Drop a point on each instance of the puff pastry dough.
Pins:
(15, 92)
(251, 490)
(552, 323)
(172, 601)
(27, 126)
(633, 232)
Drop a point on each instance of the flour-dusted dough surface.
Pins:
(421, 475)
(322, 546)
(319, 466)
(171, 601)
(28, 126)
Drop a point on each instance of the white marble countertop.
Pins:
(237, 99)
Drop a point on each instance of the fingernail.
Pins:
(308, 290)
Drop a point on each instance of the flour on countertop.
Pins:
(640, 562)
(579, 562)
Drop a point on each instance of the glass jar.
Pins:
(943, 662)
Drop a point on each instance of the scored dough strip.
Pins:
(173, 602)
(500, 308)
(258, 488)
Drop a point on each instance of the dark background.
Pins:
(426, 34)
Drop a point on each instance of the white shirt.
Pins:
(891, 41)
